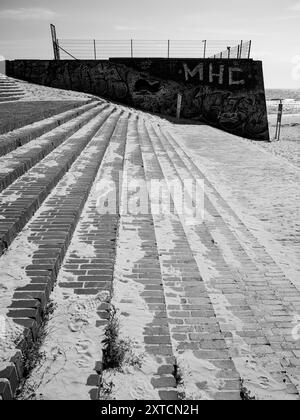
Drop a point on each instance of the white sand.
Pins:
(34, 92)
(13, 265)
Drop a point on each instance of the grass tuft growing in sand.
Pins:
(117, 351)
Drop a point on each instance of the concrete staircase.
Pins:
(194, 308)
(9, 90)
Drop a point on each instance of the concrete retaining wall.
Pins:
(228, 94)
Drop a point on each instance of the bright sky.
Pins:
(273, 25)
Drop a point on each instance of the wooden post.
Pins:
(179, 104)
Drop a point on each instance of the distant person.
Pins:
(2, 64)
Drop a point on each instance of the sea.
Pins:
(286, 94)
(290, 99)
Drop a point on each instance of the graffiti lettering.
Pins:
(236, 113)
(109, 82)
(198, 69)
(220, 75)
(232, 80)
(214, 74)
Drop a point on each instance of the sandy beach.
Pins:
(289, 145)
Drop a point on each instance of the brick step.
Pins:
(96, 230)
(16, 138)
(6, 98)
(85, 275)
(249, 244)
(195, 331)
(19, 161)
(256, 257)
(14, 94)
(8, 82)
(138, 291)
(8, 88)
(11, 89)
(10, 98)
(243, 276)
(21, 200)
(5, 93)
(50, 233)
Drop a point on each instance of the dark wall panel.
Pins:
(228, 94)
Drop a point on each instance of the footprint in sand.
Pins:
(264, 382)
(83, 362)
(76, 324)
(140, 389)
(84, 348)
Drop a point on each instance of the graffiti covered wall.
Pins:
(227, 94)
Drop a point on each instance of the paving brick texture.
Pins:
(208, 300)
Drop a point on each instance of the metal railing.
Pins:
(93, 49)
(241, 51)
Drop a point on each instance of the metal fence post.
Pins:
(249, 52)
(228, 49)
(131, 48)
(57, 49)
(204, 52)
(55, 42)
(95, 50)
(168, 48)
(241, 49)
